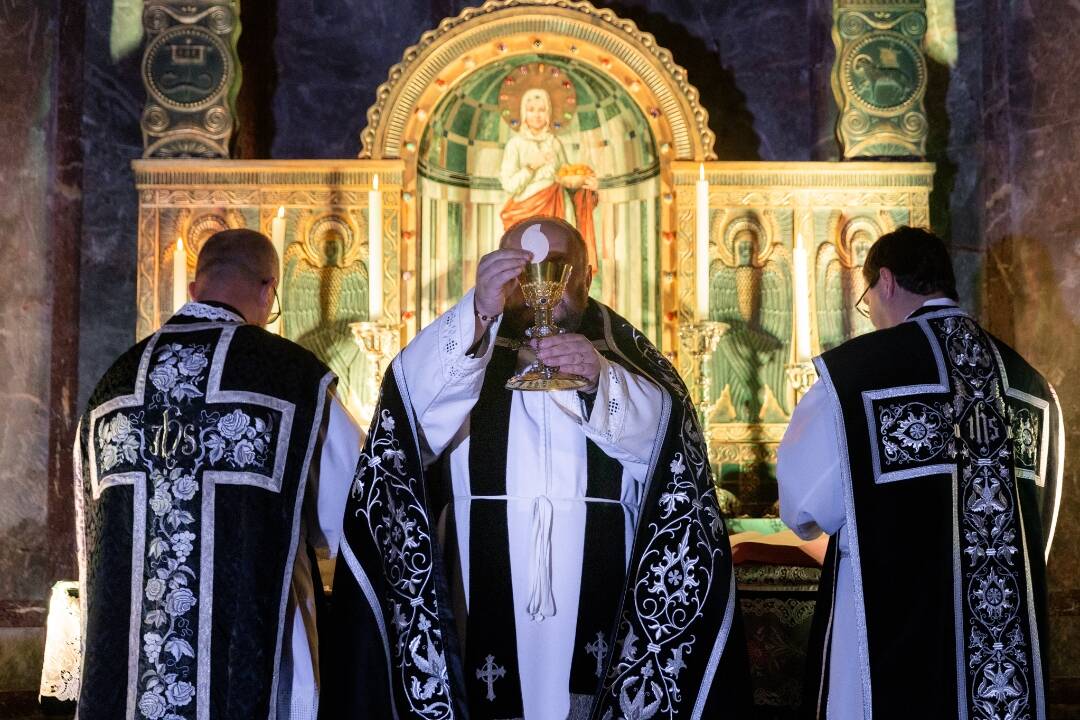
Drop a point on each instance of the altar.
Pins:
(739, 271)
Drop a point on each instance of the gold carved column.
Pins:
(879, 77)
(191, 73)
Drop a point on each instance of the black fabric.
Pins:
(907, 571)
(816, 683)
(393, 640)
(491, 657)
(603, 566)
(678, 642)
(252, 527)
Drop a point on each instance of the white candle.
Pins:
(179, 275)
(802, 301)
(701, 250)
(375, 253)
(277, 237)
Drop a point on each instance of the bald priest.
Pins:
(212, 462)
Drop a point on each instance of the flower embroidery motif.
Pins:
(388, 502)
(235, 438)
(117, 442)
(914, 432)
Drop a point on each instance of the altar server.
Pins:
(932, 453)
(212, 462)
(587, 571)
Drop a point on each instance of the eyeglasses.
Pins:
(861, 305)
(274, 314)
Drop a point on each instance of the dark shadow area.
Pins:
(254, 104)
(729, 117)
(938, 78)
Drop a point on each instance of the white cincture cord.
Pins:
(541, 597)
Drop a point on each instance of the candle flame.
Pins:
(281, 211)
(375, 182)
(701, 171)
(179, 244)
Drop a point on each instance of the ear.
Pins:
(588, 277)
(887, 282)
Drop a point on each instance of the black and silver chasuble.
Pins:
(191, 466)
(950, 446)
(670, 646)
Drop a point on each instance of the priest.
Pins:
(211, 464)
(931, 453)
(538, 555)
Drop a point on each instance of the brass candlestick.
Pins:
(801, 375)
(700, 340)
(378, 340)
(543, 284)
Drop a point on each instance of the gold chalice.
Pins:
(543, 284)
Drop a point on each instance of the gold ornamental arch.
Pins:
(505, 28)
(501, 29)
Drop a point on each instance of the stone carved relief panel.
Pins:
(757, 213)
(191, 74)
(325, 260)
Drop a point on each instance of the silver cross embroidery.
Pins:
(489, 673)
(598, 649)
(149, 440)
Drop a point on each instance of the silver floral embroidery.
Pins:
(169, 444)
(914, 432)
(675, 574)
(1025, 431)
(397, 521)
(116, 442)
(998, 649)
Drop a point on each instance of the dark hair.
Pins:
(917, 258)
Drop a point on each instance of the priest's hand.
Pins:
(571, 353)
(496, 276)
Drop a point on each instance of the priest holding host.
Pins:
(931, 452)
(212, 463)
(532, 530)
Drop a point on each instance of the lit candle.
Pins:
(179, 275)
(701, 252)
(802, 301)
(375, 252)
(277, 237)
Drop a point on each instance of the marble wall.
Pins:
(25, 321)
(1031, 257)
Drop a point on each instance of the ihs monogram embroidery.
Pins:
(997, 630)
(173, 449)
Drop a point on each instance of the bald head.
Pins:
(240, 268)
(564, 241)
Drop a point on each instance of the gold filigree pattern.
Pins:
(505, 27)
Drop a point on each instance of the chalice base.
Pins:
(545, 380)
